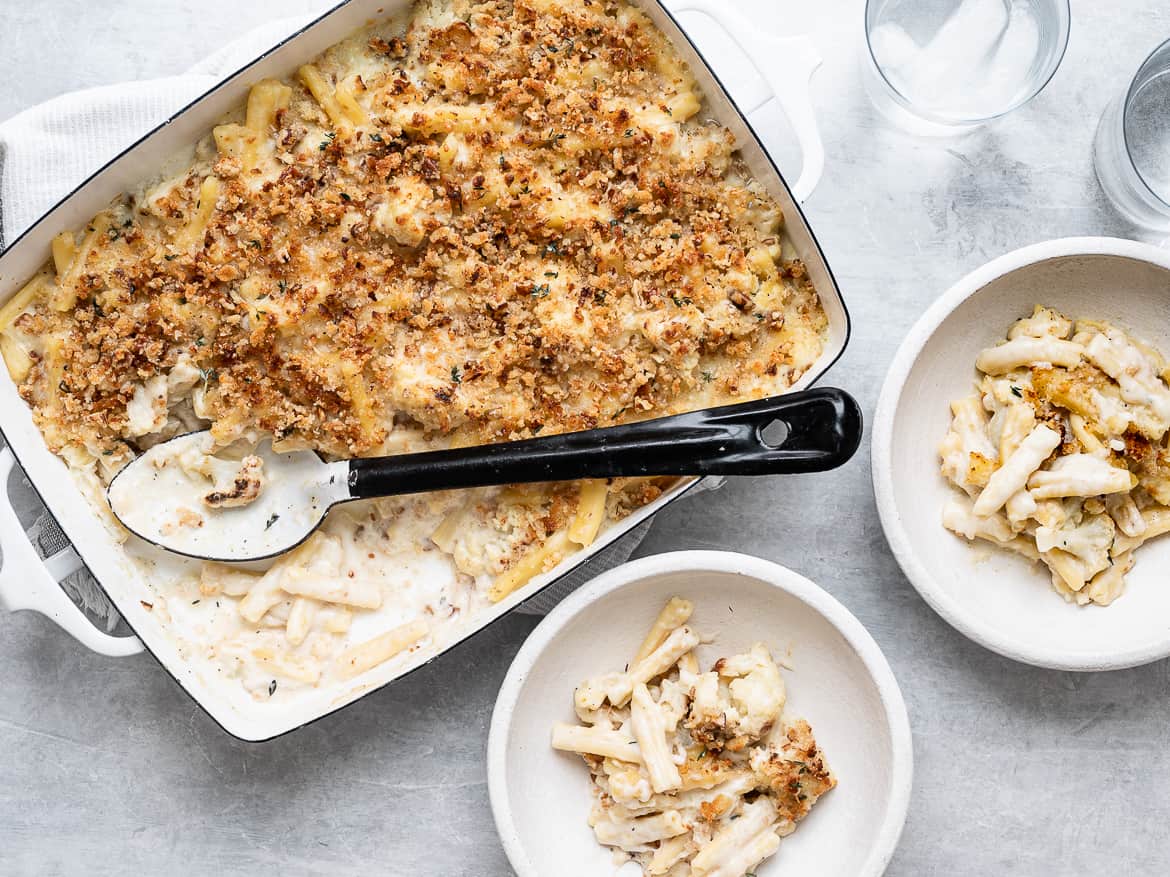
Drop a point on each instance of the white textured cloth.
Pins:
(47, 150)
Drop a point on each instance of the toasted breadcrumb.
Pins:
(586, 252)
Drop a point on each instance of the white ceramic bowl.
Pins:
(840, 682)
(992, 596)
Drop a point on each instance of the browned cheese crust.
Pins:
(513, 234)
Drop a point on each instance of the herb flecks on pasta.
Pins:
(1062, 453)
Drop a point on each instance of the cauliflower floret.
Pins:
(757, 689)
(146, 412)
(182, 378)
(410, 213)
(738, 702)
(241, 487)
(1089, 541)
(672, 701)
(628, 783)
(708, 719)
(233, 482)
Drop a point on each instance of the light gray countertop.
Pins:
(107, 767)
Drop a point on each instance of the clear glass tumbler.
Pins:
(939, 67)
(1132, 149)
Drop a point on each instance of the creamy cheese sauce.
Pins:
(1081, 476)
(173, 496)
(695, 774)
(412, 577)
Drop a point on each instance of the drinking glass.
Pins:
(939, 67)
(1132, 148)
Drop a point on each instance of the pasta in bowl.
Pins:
(817, 669)
(1001, 598)
(695, 774)
(1062, 451)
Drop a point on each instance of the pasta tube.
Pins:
(219, 578)
(669, 852)
(363, 593)
(638, 832)
(743, 843)
(1157, 523)
(617, 687)
(368, 655)
(531, 564)
(674, 614)
(596, 741)
(650, 732)
(590, 512)
(1108, 584)
(192, 233)
(1012, 476)
(1023, 351)
(1080, 475)
(300, 619)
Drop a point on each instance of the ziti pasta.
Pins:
(695, 774)
(1061, 453)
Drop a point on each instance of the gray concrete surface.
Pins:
(107, 768)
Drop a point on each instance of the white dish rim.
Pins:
(881, 459)
(780, 577)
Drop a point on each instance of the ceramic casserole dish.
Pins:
(25, 582)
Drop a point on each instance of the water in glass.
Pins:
(963, 62)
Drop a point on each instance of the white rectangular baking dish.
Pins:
(25, 583)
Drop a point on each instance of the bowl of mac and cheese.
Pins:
(1021, 460)
(699, 713)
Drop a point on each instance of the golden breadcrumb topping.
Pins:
(508, 219)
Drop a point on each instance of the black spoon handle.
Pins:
(821, 431)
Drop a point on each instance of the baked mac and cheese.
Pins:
(493, 221)
(1061, 454)
(695, 774)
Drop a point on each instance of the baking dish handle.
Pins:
(787, 64)
(25, 581)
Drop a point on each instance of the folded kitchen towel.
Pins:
(47, 150)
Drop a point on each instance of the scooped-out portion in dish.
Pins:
(1062, 452)
(695, 774)
(490, 221)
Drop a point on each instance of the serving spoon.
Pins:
(159, 500)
